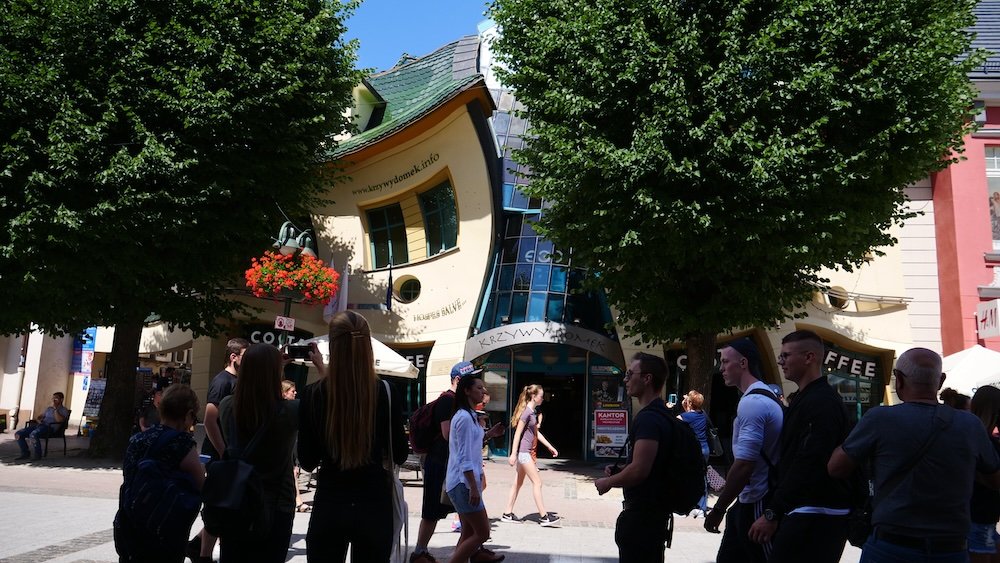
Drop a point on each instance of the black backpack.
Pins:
(233, 492)
(160, 500)
(686, 472)
(685, 477)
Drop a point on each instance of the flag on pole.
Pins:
(338, 302)
(388, 291)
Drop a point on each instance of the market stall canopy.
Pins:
(971, 369)
(387, 361)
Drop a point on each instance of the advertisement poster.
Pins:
(610, 432)
(607, 392)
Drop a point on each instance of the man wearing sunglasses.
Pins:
(924, 458)
(643, 526)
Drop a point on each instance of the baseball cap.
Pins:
(748, 350)
(464, 368)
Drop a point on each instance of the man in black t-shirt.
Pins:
(641, 530)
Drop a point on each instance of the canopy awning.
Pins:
(387, 361)
(971, 369)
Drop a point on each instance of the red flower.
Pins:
(273, 272)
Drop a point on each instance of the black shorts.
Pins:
(434, 474)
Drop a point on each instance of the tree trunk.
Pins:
(700, 364)
(118, 407)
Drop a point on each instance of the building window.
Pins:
(409, 290)
(993, 191)
(388, 236)
(440, 220)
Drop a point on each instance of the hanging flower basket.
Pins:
(275, 274)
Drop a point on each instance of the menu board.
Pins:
(610, 432)
(94, 397)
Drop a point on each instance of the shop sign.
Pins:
(408, 173)
(987, 322)
(839, 360)
(543, 332)
(418, 356)
(262, 333)
(610, 432)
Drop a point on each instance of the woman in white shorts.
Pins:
(526, 435)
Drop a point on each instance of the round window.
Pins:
(409, 290)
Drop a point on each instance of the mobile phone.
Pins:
(672, 399)
(299, 351)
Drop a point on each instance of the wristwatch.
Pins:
(770, 515)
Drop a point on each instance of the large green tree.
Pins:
(709, 158)
(145, 149)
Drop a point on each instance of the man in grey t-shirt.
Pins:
(920, 513)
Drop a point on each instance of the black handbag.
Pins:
(714, 442)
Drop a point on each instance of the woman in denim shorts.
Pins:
(985, 504)
(464, 480)
(526, 436)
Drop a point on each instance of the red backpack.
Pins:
(422, 431)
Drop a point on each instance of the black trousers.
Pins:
(736, 545)
(270, 546)
(816, 538)
(641, 535)
(337, 521)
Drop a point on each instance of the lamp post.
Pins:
(291, 242)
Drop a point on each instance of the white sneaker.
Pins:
(509, 517)
(549, 520)
(696, 513)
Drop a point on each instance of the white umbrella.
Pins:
(971, 369)
(387, 361)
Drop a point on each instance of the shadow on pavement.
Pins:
(77, 454)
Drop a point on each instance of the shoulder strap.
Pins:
(769, 395)
(944, 414)
(390, 462)
(161, 441)
(262, 430)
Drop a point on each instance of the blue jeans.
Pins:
(881, 551)
(35, 432)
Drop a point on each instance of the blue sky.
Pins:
(387, 28)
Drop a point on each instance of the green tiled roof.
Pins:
(416, 87)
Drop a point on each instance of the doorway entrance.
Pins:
(561, 371)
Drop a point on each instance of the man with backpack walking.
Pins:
(755, 451)
(807, 513)
(650, 489)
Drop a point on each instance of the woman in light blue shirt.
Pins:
(464, 479)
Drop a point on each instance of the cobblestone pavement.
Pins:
(60, 510)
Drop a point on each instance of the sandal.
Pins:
(303, 507)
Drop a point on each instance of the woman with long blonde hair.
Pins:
(526, 435)
(346, 424)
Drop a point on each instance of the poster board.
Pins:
(610, 432)
(95, 395)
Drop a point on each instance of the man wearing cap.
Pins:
(435, 468)
(807, 514)
(755, 449)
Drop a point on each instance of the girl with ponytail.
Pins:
(526, 435)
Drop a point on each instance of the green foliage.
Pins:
(731, 149)
(145, 143)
